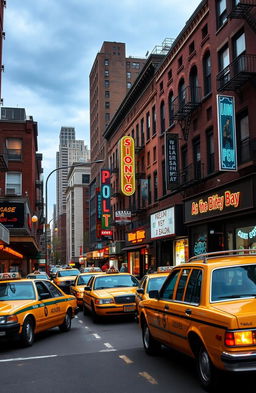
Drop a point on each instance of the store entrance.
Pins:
(216, 237)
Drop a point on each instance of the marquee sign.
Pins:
(127, 165)
(137, 236)
(105, 203)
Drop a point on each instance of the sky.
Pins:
(50, 47)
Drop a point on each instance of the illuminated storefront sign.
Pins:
(137, 236)
(127, 165)
(227, 133)
(162, 223)
(12, 214)
(171, 160)
(105, 203)
(222, 201)
(123, 216)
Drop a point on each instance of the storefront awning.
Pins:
(135, 247)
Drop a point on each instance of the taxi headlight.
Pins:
(8, 319)
(104, 301)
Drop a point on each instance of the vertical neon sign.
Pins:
(127, 165)
(105, 203)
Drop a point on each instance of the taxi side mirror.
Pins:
(140, 291)
(154, 294)
(87, 288)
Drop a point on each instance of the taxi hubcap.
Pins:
(29, 333)
(146, 337)
(205, 367)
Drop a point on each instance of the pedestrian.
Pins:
(105, 267)
(151, 269)
(124, 268)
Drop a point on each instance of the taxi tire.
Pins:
(95, 316)
(27, 334)
(206, 371)
(66, 325)
(84, 309)
(151, 346)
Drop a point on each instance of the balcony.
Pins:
(192, 173)
(237, 73)
(185, 105)
(3, 160)
(241, 8)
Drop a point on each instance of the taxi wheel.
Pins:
(206, 370)
(66, 325)
(151, 346)
(84, 309)
(27, 333)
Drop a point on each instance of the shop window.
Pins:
(207, 73)
(246, 237)
(13, 183)
(14, 149)
(199, 241)
(221, 12)
(243, 139)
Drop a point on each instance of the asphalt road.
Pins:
(107, 357)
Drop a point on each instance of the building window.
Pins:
(153, 120)
(180, 61)
(154, 154)
(221, 12)
(148, 125)
(85, 179)
(223, 57)
(161, 87)
(193, 80)
(14, 148)
(106, 83)
(197, 159)
(162, 117)
(204, 31)
(142, 132)
(184, 164)
(148, 158)
(13, 183)
(191, 47)
(107, 104)
(207, 69)
(163, 177)
(169, 74)
(106, 73)
(171, 108)
(243, 138)
(136, 65)
(149, 191)
(128, 74)
(106, 62)
(128, 64)
(182, 94)
(239, 44)
(210, 152)
(107, 116)
(107, 93)
(137, 136)
(155, 187)
(129, 85)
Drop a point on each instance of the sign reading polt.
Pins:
(105, 200)
(227, 133)
(127, 165)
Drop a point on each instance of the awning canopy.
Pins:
(134, 247)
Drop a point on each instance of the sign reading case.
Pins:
(127, 165)
(12, 214)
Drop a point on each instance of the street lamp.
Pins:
(46, 198)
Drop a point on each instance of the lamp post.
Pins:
(46, 198)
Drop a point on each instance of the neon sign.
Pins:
(137, 237)
(127, 165)
(105, 202)
(216, 202)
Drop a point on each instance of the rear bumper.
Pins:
(9, 330)
(242, 361)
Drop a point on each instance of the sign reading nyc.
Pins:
(127, 165)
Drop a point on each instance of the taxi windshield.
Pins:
(155, 283)
(233, 282)
(66, 273)
(84, 279)
(115, 281)
(17, 291)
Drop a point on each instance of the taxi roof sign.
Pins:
(112, 270)
(164, 269)
(10, 276)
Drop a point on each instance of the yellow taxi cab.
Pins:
(77, 289)
(150, 282)
(110, 293)
(29, 306)
(65, 278)
(206, 310)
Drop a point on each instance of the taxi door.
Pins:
(48, 304)
(60, 301)
(158, 311)
(185, 304)
(87, 294)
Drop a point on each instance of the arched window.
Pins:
(171, 108)
(207, 69)
(193, 81)
(162, 117)
(182, 93)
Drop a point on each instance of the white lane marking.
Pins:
(108, 350)
(148, 377)
(86, 327)
(126, 359)
(96, 335)
(80, 321)
(108, 345)
(29, 358)
(76, 316)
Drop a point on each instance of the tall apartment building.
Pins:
(111, 77)
(70, 151)
(2, 36)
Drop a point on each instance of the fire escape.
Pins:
(3, 159)
(244, 9)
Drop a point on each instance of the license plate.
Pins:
(2, 333)
(129, 308)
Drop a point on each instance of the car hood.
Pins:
(12, 306)
(243, 310)
(104, 293)
(66, 278)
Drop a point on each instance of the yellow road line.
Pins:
(125, 359)
(148, 377)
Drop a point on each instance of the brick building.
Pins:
(196, 161)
